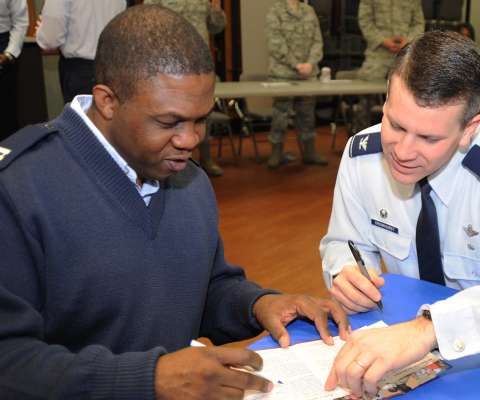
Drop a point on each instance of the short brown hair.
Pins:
(441, 68)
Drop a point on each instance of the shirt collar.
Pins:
(441, 180)
(81, 104)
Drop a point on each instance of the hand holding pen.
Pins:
(351, 289)
(363, 269)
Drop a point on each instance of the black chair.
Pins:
(220, 125)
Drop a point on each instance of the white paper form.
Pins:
(300, 371)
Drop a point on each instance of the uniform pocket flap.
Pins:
(396, 245)
(461, 267)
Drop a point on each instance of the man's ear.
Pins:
(469, 133)
(106, 102)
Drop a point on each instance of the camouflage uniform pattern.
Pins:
(381, 19)
(198, 12)
(293, 37)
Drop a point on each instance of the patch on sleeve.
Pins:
(16, 144)
(472, 160)
(363, 144)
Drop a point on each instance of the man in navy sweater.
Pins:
(111, 256)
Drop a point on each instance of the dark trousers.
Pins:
(76, 77)
(8, 93)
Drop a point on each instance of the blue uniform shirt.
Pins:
(380, 214)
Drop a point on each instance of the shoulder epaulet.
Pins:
(365, 143)
(472, 160)
(25, 138)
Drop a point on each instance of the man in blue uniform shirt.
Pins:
(407, 194)
(111, 257)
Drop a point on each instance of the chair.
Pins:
(219, 125)
(246, 127)
(355, 112)
(356, 116)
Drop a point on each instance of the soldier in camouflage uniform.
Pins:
(207, 17)
(387, 26)
(295, 48)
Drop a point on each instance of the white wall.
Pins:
(475, 18)
(254, 47)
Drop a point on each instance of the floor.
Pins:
(272, 221)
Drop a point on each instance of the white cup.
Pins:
(325, 74)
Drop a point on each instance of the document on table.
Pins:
(299, 372)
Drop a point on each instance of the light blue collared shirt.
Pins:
(80, 105)
(380, 215)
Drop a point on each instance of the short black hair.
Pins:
(145, 41)
(441, 68)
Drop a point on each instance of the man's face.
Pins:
(157, 128)
(417, 141)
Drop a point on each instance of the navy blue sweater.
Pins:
(95, 285)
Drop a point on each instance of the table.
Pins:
(402, 296)
(299, 88)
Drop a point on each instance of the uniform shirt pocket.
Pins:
(464, 269)
(393, 244)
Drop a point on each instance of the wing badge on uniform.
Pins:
(470, 231)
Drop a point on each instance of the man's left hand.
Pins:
(275, 312)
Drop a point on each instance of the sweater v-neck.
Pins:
(81, 142)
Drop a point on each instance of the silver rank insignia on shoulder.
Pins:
(383, 213)
(4, 152)
(470, 231)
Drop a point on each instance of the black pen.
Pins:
(363, 268)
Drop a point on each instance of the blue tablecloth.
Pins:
(402, 297)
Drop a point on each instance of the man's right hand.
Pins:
(355, 292)
(206, 373)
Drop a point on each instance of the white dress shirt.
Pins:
(14, 19)
(74, 26)
(380, 216)
(456, 321)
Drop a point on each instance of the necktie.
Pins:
(427, 238)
